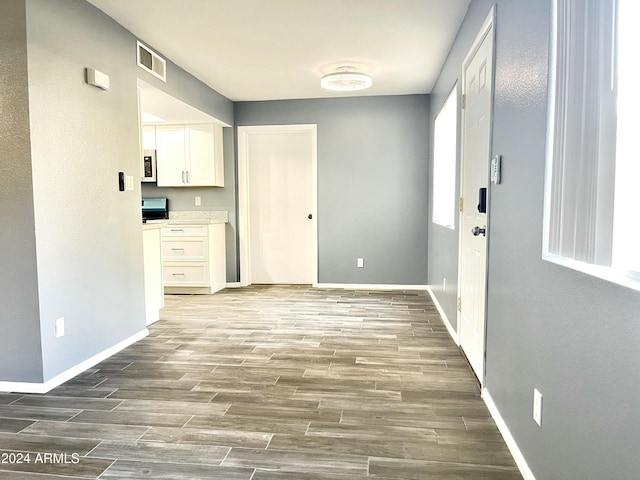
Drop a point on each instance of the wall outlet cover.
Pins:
(360, 263)
(59, 327)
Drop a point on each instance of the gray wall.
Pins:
(88, 234)
(63, 143)
(184, 86)
(372, 182)
(572, 336)
(20, 352)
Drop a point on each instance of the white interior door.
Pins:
(478, 91)
(280, 179)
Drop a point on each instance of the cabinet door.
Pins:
(200, 150)
(170, 156)
(218, 156)
(177, 230)
(148, 137)
(185, 249)
(186, 274)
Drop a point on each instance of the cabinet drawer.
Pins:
(184, 249)
(188, 274)
(185, 231)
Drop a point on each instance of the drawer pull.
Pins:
(178, 274)
(177, 249)
(177, 229)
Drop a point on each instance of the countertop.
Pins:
(189, 217)
(198, 217)
(154, 225)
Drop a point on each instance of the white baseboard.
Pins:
(508, 438)
(26, 387)
(445, 319)
(233, 285)
(369, 286)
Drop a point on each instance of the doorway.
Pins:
(277, 204)
(476, 147)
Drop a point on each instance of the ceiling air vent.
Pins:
(152, 62)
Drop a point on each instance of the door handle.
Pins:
(479, 231)
(310, 216)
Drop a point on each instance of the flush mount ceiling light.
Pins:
(346, 79)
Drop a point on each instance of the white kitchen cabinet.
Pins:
(153, 271)
(189, 155)
(170, 156)
(148, 137)
(194, 258)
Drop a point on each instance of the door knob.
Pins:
(479, 231)
(310, 216)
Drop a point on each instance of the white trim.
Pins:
(626, 278)
(244, 232)
(370, 286)
(445, 319)
(508, 438)
(244, 252)
(233, 285)
(487, 25)
(26, 387)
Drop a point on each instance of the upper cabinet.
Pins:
(188, 155)
(148, 137)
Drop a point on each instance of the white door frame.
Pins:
(488, 28)
(244, 232)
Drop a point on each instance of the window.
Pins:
(445, 142)
(592, 167)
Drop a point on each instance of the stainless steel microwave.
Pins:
(149, 166)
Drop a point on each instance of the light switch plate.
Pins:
(97, 78)
(537, 407)
(129, 182)
(496, 166)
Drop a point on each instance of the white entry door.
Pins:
(478, 91)
(281, 207)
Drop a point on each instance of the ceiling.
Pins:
(157, 107)
(279, 49)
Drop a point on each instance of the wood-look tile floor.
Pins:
(268, 382)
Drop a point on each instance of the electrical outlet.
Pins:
(537, 407)
(59, 327)
(360, 263)
(129, 181)
(198, 201)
